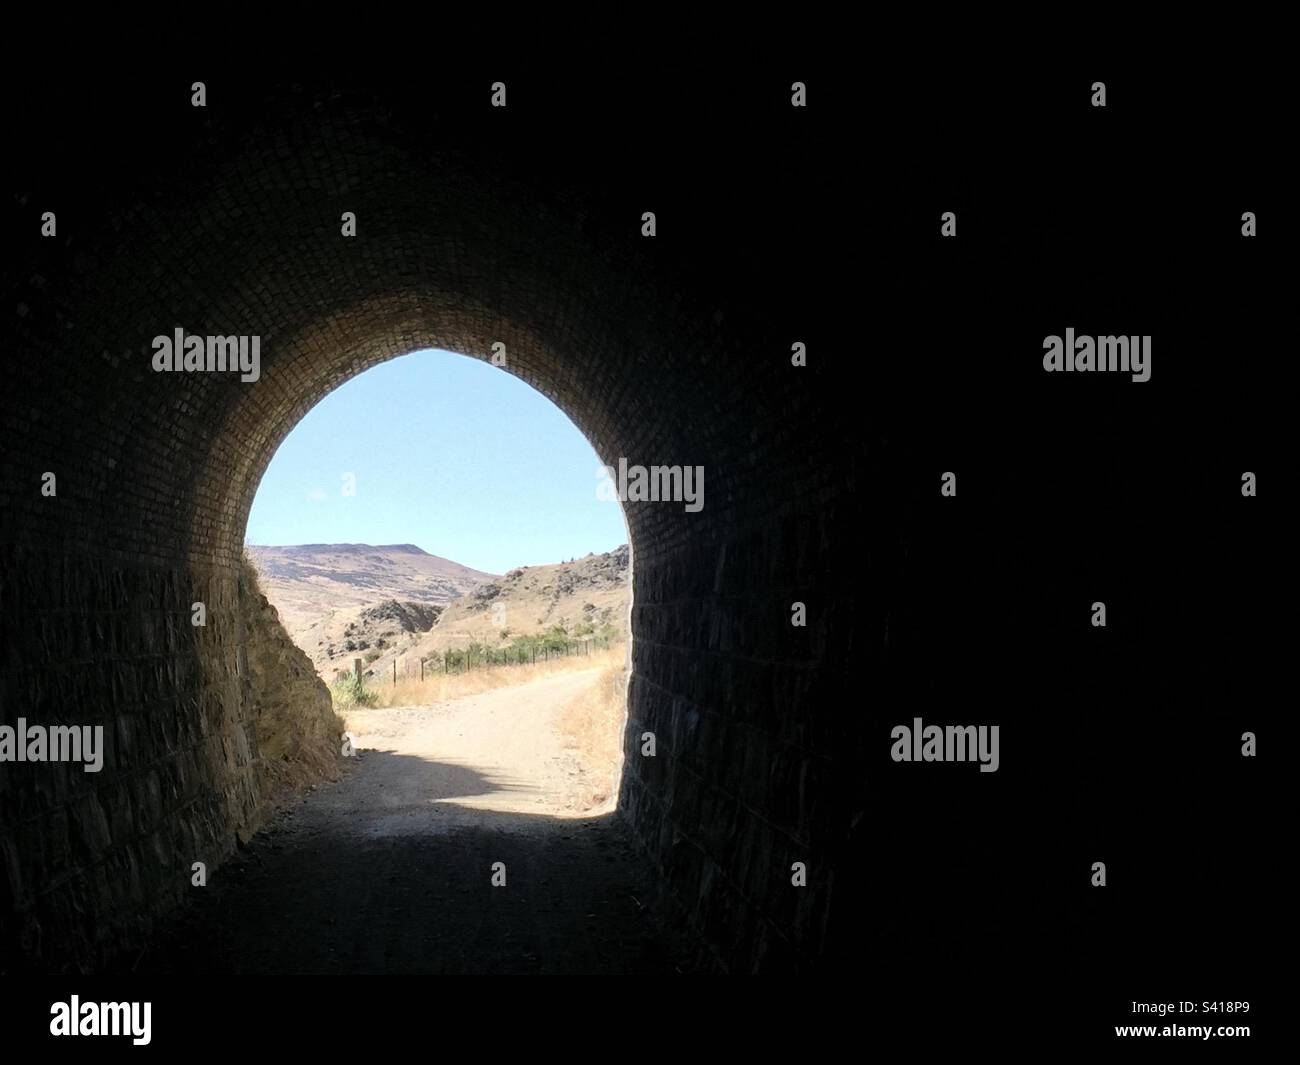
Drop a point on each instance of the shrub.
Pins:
(348, 690)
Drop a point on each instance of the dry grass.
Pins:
(592, 725)
(440, 687)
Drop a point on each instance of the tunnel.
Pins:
(236, 228)
(698, 273)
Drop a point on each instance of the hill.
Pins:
(341, 602)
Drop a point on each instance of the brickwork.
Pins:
(239, 233)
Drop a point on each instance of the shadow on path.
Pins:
(405, 886)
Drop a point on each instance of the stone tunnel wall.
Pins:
(194, 751)
(674, 350)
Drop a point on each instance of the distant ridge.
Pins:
(308, 582)
(307, 549)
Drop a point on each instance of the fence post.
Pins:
(356, 667)
(394, 671)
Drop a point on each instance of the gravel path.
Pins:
(390, 870)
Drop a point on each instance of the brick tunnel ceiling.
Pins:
(461, 243)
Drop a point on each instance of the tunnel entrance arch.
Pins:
(241, 233)
(489, 476)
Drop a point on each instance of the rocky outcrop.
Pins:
(297, 729)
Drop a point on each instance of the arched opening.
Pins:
(433, 537)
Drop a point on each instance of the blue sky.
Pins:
(451, 454)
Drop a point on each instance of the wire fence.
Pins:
(479, 657)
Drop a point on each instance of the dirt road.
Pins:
(500, 751)
(391, 869)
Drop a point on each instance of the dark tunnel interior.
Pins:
(776, 226)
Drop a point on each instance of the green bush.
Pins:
(349, 691)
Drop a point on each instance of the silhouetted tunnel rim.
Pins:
(398, 341)
(381, 352)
